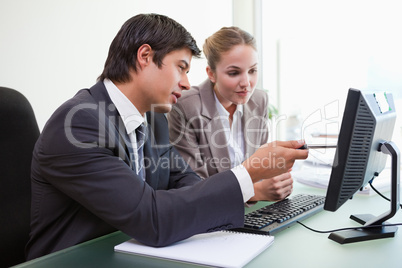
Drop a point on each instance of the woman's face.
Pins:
(235, 76)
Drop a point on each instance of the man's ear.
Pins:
(144, 55)
(211, 74)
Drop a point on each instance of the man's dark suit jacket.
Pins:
(84, 186)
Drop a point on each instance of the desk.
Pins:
(294, 247)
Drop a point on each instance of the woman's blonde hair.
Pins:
(224, 40)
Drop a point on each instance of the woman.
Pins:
(217, 125)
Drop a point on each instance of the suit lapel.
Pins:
(128, 148)
(214, 129)
(151, 158)
(112, 123)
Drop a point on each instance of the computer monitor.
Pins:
(361, 153)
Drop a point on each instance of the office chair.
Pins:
(18, 134)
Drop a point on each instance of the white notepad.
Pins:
(218, 249)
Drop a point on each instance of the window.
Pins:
(313, 51)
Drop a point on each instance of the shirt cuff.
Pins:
(245, 182)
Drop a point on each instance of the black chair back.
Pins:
(18, 134)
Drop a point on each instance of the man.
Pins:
(88, 165)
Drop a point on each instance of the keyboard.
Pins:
(278, 216)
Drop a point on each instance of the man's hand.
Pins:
(273, 159)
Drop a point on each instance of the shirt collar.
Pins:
(130, 115)
(223, 112)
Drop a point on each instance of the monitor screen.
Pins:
(368, 121)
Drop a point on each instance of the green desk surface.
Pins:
(293, 247)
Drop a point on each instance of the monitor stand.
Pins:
(364, 234)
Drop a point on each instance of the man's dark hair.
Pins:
(162, 33)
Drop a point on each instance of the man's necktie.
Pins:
(140, 133)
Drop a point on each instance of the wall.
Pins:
(49, 49)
